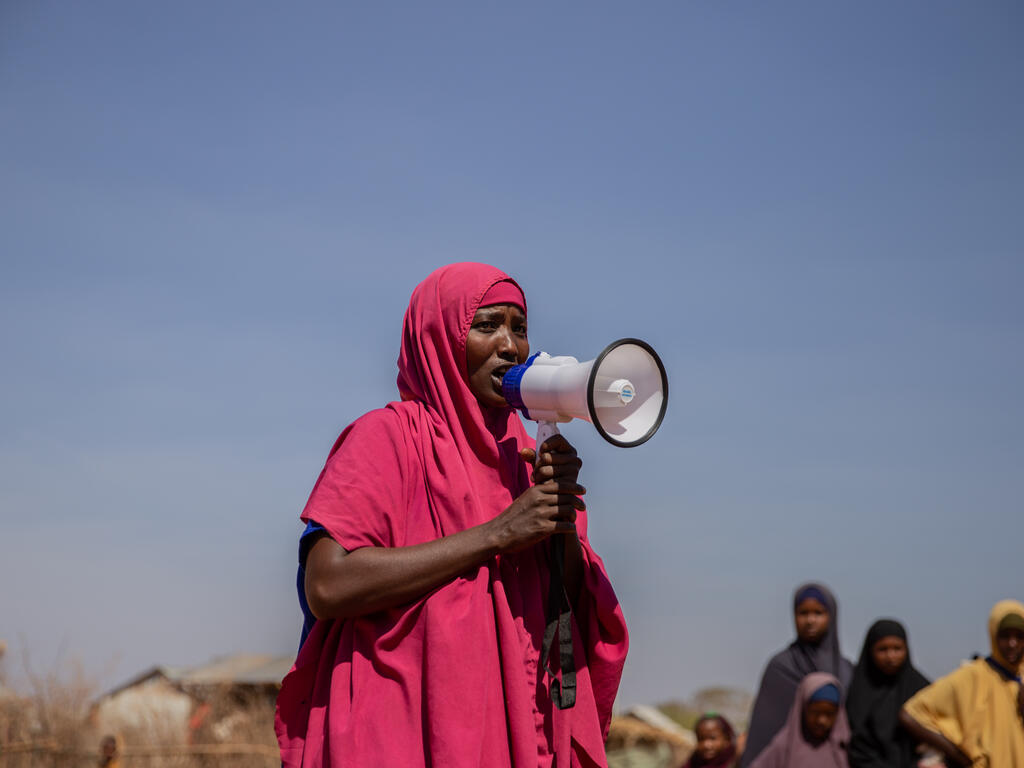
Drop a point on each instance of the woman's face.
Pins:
(1010, 643)
(496, 341)
(711, 739)
(819, 717)
(889, 655)
(811, 619)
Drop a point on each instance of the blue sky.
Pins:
(213, 216)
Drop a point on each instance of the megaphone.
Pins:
(623, 392)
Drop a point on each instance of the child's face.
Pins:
(819, 717)
(711, 739)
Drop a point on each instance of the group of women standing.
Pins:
(816, 710)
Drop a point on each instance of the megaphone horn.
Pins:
(623, 391)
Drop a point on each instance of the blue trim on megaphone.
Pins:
(510, 385)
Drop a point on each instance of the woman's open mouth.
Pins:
(499, 373)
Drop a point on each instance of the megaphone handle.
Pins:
(545, 429)
(559, 613)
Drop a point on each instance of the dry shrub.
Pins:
(52, 725)
(47, 726)
(238, 718)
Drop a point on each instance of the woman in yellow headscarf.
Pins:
(975, 715)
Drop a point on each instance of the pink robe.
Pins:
(454, 678)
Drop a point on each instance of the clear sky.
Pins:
(212, 216)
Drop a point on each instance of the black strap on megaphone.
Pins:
(563, 692)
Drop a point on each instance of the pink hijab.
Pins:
(452, 679)
(789, 748)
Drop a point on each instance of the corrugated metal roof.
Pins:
(239, 669)
(250, 669)
(656, 718)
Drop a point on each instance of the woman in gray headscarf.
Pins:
(816, 649)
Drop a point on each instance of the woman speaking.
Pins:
(425, 565)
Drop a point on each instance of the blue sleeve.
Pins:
(305, 542)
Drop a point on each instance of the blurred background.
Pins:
(213, 216)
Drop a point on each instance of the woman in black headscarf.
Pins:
(883, 680)
(816, 649)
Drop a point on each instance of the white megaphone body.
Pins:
(623, 392)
